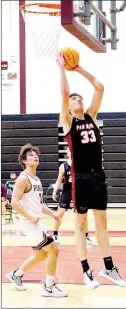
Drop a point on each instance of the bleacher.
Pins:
(114, 140)
(41, 133)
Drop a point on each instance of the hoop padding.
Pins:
(43, 21)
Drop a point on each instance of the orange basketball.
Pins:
(71, 57)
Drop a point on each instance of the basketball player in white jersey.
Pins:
(27, 201)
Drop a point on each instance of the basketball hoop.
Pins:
(43, 20)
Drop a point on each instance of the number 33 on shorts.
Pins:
(88, 136)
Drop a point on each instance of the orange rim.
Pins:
(25, 7)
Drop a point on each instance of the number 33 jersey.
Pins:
(84, 141)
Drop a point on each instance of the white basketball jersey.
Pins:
(32, 200)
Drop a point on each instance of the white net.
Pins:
(44, 29)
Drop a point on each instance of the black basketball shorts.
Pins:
(89, 191)
(65, 200)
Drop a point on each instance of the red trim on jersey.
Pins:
(69, 141)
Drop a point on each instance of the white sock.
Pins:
(49, 280)
(19, 272)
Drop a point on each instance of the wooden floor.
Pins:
(69, 274)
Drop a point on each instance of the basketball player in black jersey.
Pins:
(64, 179)
(89, 189)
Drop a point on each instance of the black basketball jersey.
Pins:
(67, 180)
(84, 141)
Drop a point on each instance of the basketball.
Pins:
(71, 57)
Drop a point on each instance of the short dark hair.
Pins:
(75, 95)
(23, 153)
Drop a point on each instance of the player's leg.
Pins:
(100, 205)
(81, 225)
(80, 199)
(61, 212)
(80, 235)
(50, 288)
(15, 276)
(88, 240)
(109, 271)
(64, 202)
(44, 249)
(34, 234)
(101, 231)
(80, 232)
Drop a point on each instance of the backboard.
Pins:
(88, 20)
(93, 29)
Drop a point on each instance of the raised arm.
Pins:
(65, 117)
(98, 94)
(59, 181)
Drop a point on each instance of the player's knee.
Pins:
(80, 228)
(61, 213)
(101, 218)
(81, 225)
(102, 215)
(40, 255)
(104, 221)
(55, 250)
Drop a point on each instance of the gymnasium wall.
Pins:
(42, 79)
(10, 54)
